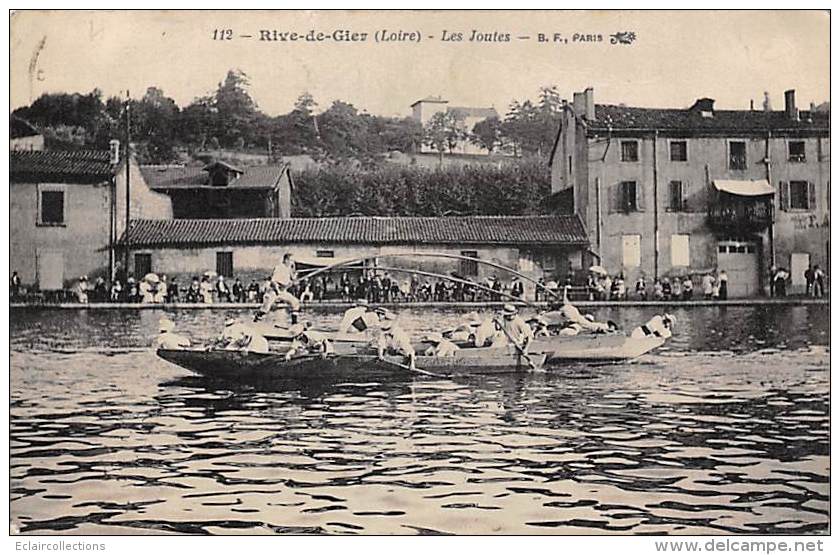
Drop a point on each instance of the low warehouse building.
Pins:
(539, 246)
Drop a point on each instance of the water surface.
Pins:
(725, 430)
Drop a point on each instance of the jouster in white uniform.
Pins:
(658, 326)
(168, 339)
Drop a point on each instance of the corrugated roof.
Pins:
(183, 177)
(65, 166)
(627, 117)
(508, 230)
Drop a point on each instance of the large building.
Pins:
(59, 223)
(539, 246)
(675, 192)
(223, 190)
(425, 109)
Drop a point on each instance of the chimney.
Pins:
(767, 107)
(752, 105)
(579, 103)
(706, 107)
(589, 96)
(790, 105)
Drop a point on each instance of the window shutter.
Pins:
(784, 195)
(640, 197)
(613, 192)
(812, 196)
(686, 207)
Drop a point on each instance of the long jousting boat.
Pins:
(247, 366)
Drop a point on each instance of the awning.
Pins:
(744, 188)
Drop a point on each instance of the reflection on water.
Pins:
(725, 430)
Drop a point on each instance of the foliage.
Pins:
(229, 118)
(342, 190)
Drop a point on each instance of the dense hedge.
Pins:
(510, 189)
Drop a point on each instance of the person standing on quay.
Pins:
(723, 280)
(688, 288)
(819, 281)
(708, 285)
(809, 281)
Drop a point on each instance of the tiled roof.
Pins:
(183, 177)
(508, 230)
(64, 166)
(626, 117)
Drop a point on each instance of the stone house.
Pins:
(424, 109)
(674, 192)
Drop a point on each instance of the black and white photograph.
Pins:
(420, 272)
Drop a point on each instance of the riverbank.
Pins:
(788, 301)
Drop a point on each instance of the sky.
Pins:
(677, 57)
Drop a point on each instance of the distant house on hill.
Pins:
(424, 110)
(23, 135)
(223, 190)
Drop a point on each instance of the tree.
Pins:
(487, 133)
(235, 108)
(443, 131)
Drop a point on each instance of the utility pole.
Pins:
(127, 175)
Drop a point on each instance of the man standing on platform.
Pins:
(282, 278)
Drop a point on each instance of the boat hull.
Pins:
(594, 347)
(242, 366)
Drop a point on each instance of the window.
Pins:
(679, 250)
(796, 151)
(469, 267)
(224, 263)
(679, 151)
(52, 207)
(631, 251)
(737, 155)
(627, 197)
(676, 202)
(629, 151)
(325, 254)
(799, 195)
(722, 248)
(142, 264)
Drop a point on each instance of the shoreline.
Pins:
(791, 301)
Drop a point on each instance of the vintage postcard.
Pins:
(420, 272)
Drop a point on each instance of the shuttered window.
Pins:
(676, 196)
(800, 195)
(629, 151)
(142, 264)
(631, 251)
(469, 267)
(679, 250)
(679, 151)
(224, 263)
(737, 155)
(52, 207)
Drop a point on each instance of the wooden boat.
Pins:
(594, 347)
(243, 366)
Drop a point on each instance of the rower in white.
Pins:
(308, 342)
(439, 346)
(168, 339)
(359, 318)
(658, 326)
(392, 339)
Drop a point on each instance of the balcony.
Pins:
(741, 214)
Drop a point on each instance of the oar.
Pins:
(410, 369)
(520, 349)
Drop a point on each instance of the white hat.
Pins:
(670, 318)
(166, 324)
(508, 310)
(590, 317)
(231, 321)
